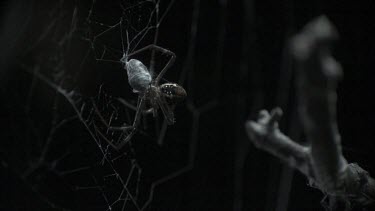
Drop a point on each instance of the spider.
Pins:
(164, 96)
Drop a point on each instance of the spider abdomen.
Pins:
(138, 75)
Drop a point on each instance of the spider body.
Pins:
(165, 96)
(173, 93)
(150, 92)
(138, 76)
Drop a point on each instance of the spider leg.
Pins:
(127, 104)
(136, 122)
(122, 128)
(105, 138)
(162, 50)
(132, 107)
(108, 126)
(167, 111)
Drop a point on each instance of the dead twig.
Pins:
(321, 161)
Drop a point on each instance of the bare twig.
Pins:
(322, 161)
(265, 134)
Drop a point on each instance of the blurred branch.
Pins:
(322, 161)
(265, 134)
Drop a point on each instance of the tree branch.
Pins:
(266, 135)
(322, 161)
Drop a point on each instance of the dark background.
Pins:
(235, 64)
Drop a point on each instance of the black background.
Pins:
(253, 72)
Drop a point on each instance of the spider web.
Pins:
(61, 78)
(72, 61)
